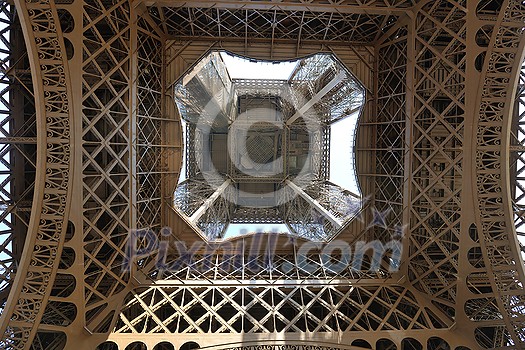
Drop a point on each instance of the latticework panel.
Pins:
(150, 122)
(250, 24)
(106, 124)
(436, 150)
(390, 127)
(267, 309)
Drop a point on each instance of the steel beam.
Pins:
(346, 7)
(270, 283)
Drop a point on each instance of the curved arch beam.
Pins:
(495, 223)
(43, 246)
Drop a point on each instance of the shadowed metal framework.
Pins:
(91, 148)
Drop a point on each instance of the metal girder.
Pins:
(343, 7)
(18, 140)
(250, 26)
(264, 283)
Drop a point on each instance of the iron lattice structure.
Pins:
(285, 159)
(92, 147)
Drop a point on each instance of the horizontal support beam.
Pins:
(347, 7)
(17, 140)
(240, 38)
(517, 148)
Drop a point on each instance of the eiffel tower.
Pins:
(373, 197)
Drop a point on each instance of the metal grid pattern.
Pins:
(250, 24)
(420, 62)
(151, 142)
(390, 128)
(336, 200)
(316, 72)
(274, 309)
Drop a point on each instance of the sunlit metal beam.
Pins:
(326, 214)
(209, 202)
